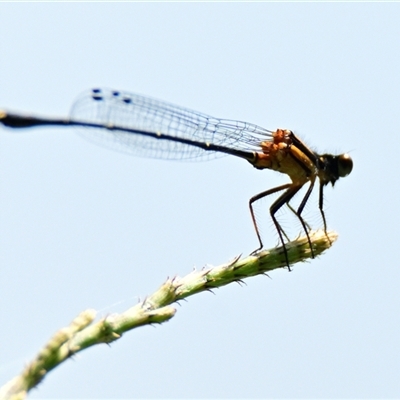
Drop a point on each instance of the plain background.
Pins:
(82, 226)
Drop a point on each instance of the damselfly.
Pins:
(152, 128)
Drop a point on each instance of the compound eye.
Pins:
(345, 165)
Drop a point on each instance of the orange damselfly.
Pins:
(147, 127)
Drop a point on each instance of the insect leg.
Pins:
(258, 197)
(292, 189)
(321, 208)
(300, 210)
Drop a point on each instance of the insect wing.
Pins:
(132, 111)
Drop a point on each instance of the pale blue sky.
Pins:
(82, 226)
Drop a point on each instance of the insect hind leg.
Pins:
(290, 190)
(285, 198)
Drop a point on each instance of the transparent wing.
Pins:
(116, 108)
